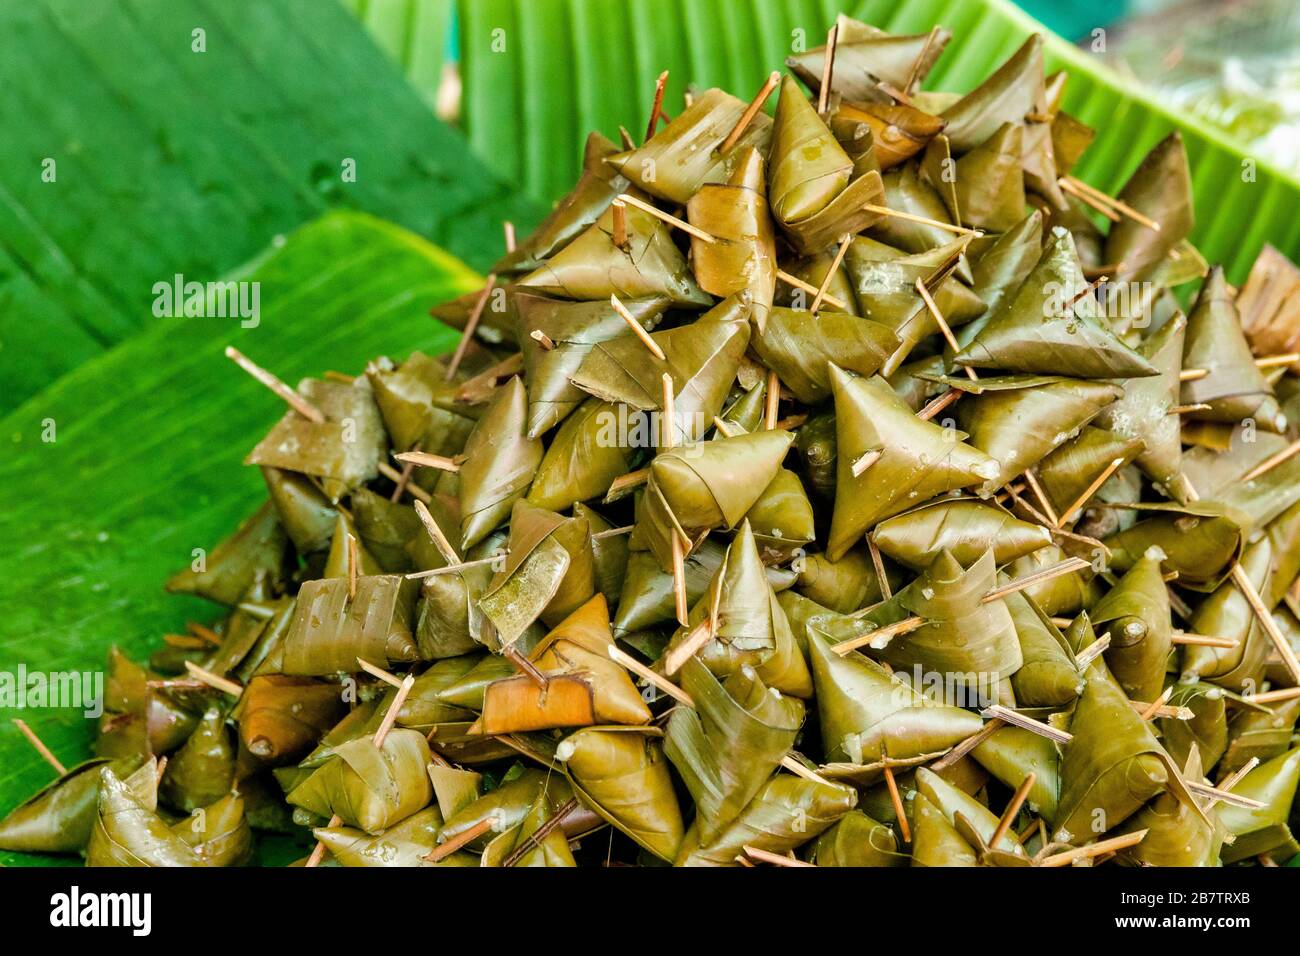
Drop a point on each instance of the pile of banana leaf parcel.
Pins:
(845, 486)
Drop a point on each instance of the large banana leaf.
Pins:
(145, 465)
(169, 161)
(539, 74)
(412, 32)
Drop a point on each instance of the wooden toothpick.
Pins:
(668, 414)
(213, 680)
(445, 547)
(751, 111)
(828, 69)
(878, 563)
(1234, 779)
(922, 220)
(795, 282)
(637, 328)
(1271, 462)
(695, 639)
(1048, 510)
(1009, 814)
(546, 829)
(467, 334)
(386, 676)
(1117, 204)
(679, 579)
(799, 769)
(415, 491)
(390, 718)
(940, 321)
(772, 400)
(295, 401)
(1154, 707)
(672, 220)
(1091, 490)
(444, 850)
(896, 799)
(618, 210)
(776, 859)
(509, 228)
(1017, 719)
(352, 568)
(425, 460)
(939, 403)
(656, 107)
(453, 568)
(39, 746)
(1094, 849)
(318, 852)
(542, 339)
(646, 674)
(831, 272)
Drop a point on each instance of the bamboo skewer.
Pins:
(619, 211)
(656, 107)
(386, 676)
(1203, 640)
(1009, 814)
(453, 568)
(625, 483)
(318, 851)
(1037, 489)
(1272, 461)
(896, 799)
(478, 389)
(423, 459)
(1068, 566)
(39, 746)
(1274, 696)
(796, 767)
(1017, 719)
(415, 491)
(751, 111)
(1247, 588)
(866, 461)
(465, 837)
(1231, 781)
(1117, 204)
(204, 633)
(1087, 200)
(831, 272)
(390, 718)
(948, 337)
(404, 479)
(878, 564)
(1263, 362)
(797, 283)
(352, 567)
(646, 674)
(1152, 708)
(290, 396)
(772, 400)
(613, 532)
(1091, 490)
(679, 580)
(546, 343)
(699, 636)
(467, 335)
(669, 218)
(546, 829)
(776, 859)
(939, 403)
(668, 414)
(637, 328)
(922, 220)
(1162, 710)
(435, 534)
(1093, 651)
(828, 69)
(967, 745)
(1094, 849)
(1224, 796)
(213, 680)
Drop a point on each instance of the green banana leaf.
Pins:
(621, 773)
(1111, 767)
(1264, 733)
(965, 527)
(1264, 830)
(367, 786)
(865, 56)
(1226, 613)
(747, 623)
(728, 746)
(1160, 188)
(1175, 835)
(330, 629)
(549, 572)
(842, 586)
(952, 801)
(1049, 676)
(1042, 329)
(1135, 613)
(869, 715)
(297, 141)
(500, 462)
(743, 256)
(402, 845)
(1206, 731)
(857, 840)
(935, 841)
(281, 718)
(203, 770)
(799, 345)
(1012, 753)
(1201, 541)
(786, 813)
(919, 459)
